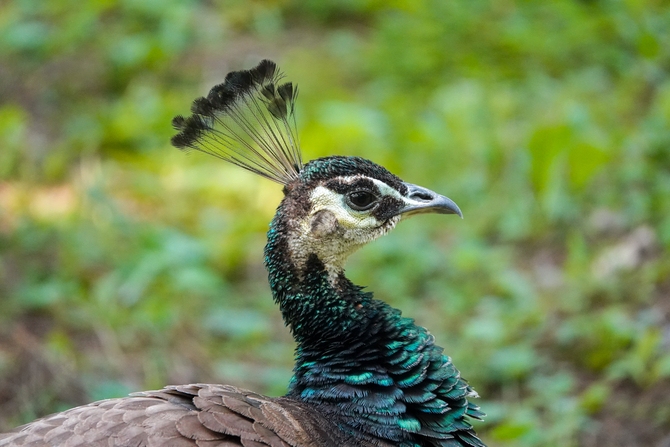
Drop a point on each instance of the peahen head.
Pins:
(332, 205)
(339, 204)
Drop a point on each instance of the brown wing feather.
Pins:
(185, 416)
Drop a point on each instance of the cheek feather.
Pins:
(323, 223)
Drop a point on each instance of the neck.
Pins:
(317, 304)
(375, 372)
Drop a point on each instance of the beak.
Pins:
(420, 200)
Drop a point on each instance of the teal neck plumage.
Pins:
(380, 376)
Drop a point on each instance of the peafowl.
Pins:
(364, 375)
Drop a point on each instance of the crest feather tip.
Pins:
(249, 121)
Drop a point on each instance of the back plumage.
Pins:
(364, 375)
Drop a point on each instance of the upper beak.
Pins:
(422, 200)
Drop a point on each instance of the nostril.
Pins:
(420, 195)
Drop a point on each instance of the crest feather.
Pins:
(248, 120)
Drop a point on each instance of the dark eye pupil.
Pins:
(361, 198)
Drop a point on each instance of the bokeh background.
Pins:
(127, 265)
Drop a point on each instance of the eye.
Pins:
(361, 200)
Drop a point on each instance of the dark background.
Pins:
(127, 265)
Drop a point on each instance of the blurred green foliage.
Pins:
(126, 265)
